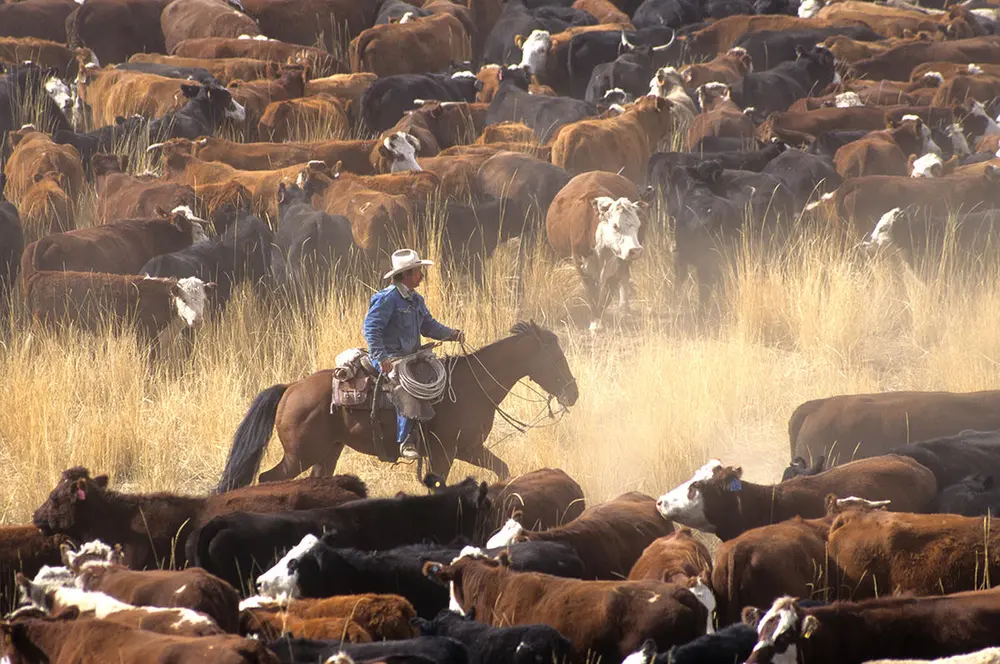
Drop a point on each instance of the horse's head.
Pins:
(548, 366)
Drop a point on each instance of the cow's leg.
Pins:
(326, 467)
(624, 288)
(589, 272)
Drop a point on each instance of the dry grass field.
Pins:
(658, 395)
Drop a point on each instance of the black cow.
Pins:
(776, 89)
(11, 247)
(389, 97)
(197, 74)
(102, 139)
(310, 244)
(800, 467)
(828, 142)
(241, 253)
(975, 495)
(769, 48)
(421, 650)
(662, 163)
(544, 115)
(953, 458)
(587, 50)
(805, 176)
(523, 644)
(324, 571)
(234, 546)
(206, 108)
(517, 19)
(22, 90)
(732, 643)
(681, 13)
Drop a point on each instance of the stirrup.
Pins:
(408, 451)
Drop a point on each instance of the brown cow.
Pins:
(425, 44)
(117, 29)
(489, 76)
(720, 116)
(921, 554)
(604, 11)
(256, 95)
(867, 425)
(119, 248)
(949, 70)
(596, 221)
(271, 625)
(266, 156)
(506, 132)
(226, 70)
(609, 537)
(723, 34)
(23, 549)
(45, 54)
(673, 558)
(42, 19)
(886, 152)
(98, 568)
(382, 616)
(602, 619)
(544, 498)
(123, 196)
(886, 20)
(46, 207)
(437, 126)
(66, 639)
(312, 118)
(310, 22)
(153, 528)
(191, 19)
(898, 63)
(113, 93)
(889, 627)
(728, 68)
(802, 127)
(320, 62)
(717, 500)
(348, 87)
(965, 88)
(35, 154)
(522, 177)
(620, 144)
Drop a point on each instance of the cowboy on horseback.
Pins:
(397, 317)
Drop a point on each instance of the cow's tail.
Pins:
(29, 264)
(798, 418)
(251, 439)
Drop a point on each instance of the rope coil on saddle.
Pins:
(428, 391)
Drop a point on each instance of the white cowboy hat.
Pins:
(403, 260)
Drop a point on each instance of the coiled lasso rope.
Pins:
(427, 391)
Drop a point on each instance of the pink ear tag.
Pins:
(81, 494)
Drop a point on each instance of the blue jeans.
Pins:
(404, 425)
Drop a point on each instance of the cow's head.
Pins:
(665, 81)
(281, 581)
(59, 92)
(289, 195)
(881, 235)
(188, 297)
(919, 135)
(218, 100)
(401, 150)
(93, 553)
(71, 506)
(684, 504)
(534, 50)
(712, 95)
(618, 224)
(184, 219)
(779, 632)
(929, 165)
(471, 562)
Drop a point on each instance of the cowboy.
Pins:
(397, 317)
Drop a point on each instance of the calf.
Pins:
(382, 616)
(674, 558)
(64, 638)
(889, 627)
(545, 115)
(153, 528)
(51, 597)
(101, 140)
(620, 144)
(719, 117)
(191, 19)
(268, 625)
(618, 617)
(596, 220)
(99, 568)
(873, 424)
(717, 500)
(886, 152)
(232, 546)
(609, 537)
(46, 207)
(524, 644)
(385, 101)
(417, 46)
(317, 115)
(727, 68)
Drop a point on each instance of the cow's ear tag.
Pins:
(735, 485)
(81, 494)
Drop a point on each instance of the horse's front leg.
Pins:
(487, 460)
(439, 458)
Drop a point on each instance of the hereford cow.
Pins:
(381, 616)
(619, 615)
(609, 537)
(867, 425)
(191, 19)
(596, 220)
(717, 500)
(886, 152)
(728, 68)
(264, 624)
(423, 45)
(153, 528)
(673, 558)
(889, 627)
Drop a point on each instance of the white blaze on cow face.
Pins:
(189, 298)
(809, 8)
(992, 128)
(881, 235)
(779, 630)
(505, 536)
(235, 111)
(959, 144)
(929, 146)
(707, 599)
(617, 228)
(535, 50)
(929, 165)
(59, 92)
(680, 505)
(664, 81)
(402, 148)
(278, 582)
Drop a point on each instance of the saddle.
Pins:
(354, 379)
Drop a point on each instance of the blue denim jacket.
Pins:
(394, 324)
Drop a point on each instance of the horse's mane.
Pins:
(531, 327)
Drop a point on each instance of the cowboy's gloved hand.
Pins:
(386, 366)
(458, 336)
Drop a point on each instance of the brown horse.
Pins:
(480, 381)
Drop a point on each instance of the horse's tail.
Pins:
(251, 439)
